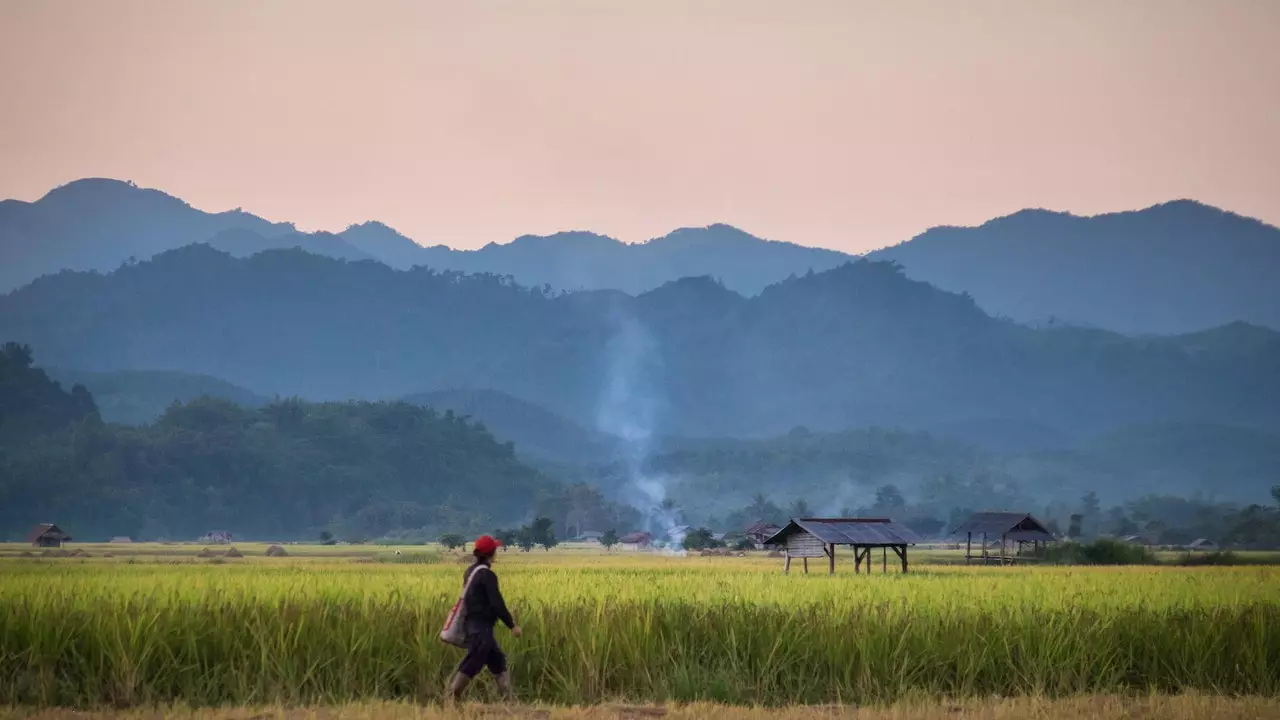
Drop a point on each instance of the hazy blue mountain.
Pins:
(243, 243)
(97, 224)
(1172, 268)
(586, 261)
(137, 397)
(1176, 267)
(386, 244)
(857, 346)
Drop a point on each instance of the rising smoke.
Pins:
(628, 410)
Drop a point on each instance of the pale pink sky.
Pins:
(844, 124)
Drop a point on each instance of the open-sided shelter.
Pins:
(818, 537)
(1014, 529)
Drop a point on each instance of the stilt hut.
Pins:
(1014, 529)
(47, 535)
(806, 538)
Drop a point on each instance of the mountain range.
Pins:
(850, 347)
(1171, 268)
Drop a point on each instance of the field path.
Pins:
(1182, 707)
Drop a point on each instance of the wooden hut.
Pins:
(636, 540)
(47, 535)
(760, 532)
(806, 538)
(1014, 529)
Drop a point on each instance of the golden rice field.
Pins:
(154, 625)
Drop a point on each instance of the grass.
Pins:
(322, 628)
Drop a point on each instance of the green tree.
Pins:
(609, 539)
(453, 541)
(524, 539)
(1074, 529)
(543, 533)
(700, 539)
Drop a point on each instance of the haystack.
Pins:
(233, 553)
(276, 551)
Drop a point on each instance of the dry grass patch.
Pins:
(1180, 707)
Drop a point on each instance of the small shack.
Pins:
(122, 540)
(806, 538)
(47, 535)
(1202, 544)
(636, 541)
(761, 532)
(1014, 530)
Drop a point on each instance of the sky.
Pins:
(845, 124)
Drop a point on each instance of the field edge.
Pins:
(1191, 706)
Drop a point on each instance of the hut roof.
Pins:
(1014, 525)
(48, 530)
(849, 531)
(636, 537)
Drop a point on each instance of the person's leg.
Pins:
(501, 673)
(472, 663)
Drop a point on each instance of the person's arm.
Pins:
(496, 602)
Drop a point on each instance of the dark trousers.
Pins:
(482, 652)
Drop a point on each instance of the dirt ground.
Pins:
(1182, 707)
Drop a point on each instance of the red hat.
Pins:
(487, 545)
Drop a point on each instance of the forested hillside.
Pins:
(287, 470)
(852, 347)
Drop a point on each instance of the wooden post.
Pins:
(786, 565)
(806, 566)
(884, 559)
(831, 559)
(857, 560)
(984, 547)
(901, 552)
(968, 547)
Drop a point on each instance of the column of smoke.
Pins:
(627, 410)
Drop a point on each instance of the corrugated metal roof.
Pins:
(849, 531)
(995, 524)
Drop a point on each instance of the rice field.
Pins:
(154, 625)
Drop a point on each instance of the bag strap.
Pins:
(467, 585)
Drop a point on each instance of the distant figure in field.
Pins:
(485, 607)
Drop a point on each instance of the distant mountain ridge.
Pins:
(855, 346)
(138, 397)
(1172, 268)
(1176, 267)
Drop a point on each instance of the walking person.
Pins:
(485, 607)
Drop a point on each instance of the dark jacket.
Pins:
(484, 602)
